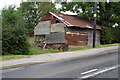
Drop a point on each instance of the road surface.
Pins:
(97, 66)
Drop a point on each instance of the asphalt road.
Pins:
(97, 66)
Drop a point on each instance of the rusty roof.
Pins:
(74, 21)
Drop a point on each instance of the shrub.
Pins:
(14, 41)
(106, 35)
(116, 33)
(110, 35)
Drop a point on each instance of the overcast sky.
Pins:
(6, 3)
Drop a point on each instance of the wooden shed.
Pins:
(56, 28)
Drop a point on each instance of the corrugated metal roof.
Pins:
(71, 20)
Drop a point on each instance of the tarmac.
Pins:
(43, 58)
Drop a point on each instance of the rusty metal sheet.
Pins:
(42, 28)
(75, 21)
(74, 39)
(59, 27)
(58, 37)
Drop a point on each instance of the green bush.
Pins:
(106, 35)
(14, 41)
(116, 34)
(110, 35)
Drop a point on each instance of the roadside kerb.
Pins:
(37, 59)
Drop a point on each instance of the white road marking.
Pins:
(99, 72)
(89, 71)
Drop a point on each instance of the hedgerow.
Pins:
(14, 41)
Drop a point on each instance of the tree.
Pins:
(14, 39)
(46, 6)
(8, 16)
(0, 33)
(29, 13)
(107, 35)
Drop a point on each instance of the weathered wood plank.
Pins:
(59, 27)
(42, 28)
(58, 37)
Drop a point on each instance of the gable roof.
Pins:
(74, 21)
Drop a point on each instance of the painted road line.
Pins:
(99, 72)
(89, 71)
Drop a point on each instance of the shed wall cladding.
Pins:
(76, 36)
(90, 37)
(42, 28)
(56, 37)
(59, 27)
(57, 34)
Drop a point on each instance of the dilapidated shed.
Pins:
(70, 30)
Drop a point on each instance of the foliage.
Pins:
(9, 16)
(29, 13)
(19, 22)
(116, 34)
(106, 35)
(110, 35)
(109, 13)
(0, 34)
(14, 40)
(45, 7)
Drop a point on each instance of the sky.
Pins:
(6, 3)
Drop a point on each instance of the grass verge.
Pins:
(9, 57)
(89, 47)
(36, 51)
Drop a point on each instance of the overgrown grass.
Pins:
(83, 48)
(89, 47)
(9, 57)
(36, 51)
(107, 45)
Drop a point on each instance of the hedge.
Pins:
(110, 35)
(14, 41)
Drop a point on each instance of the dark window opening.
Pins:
(57, 21)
